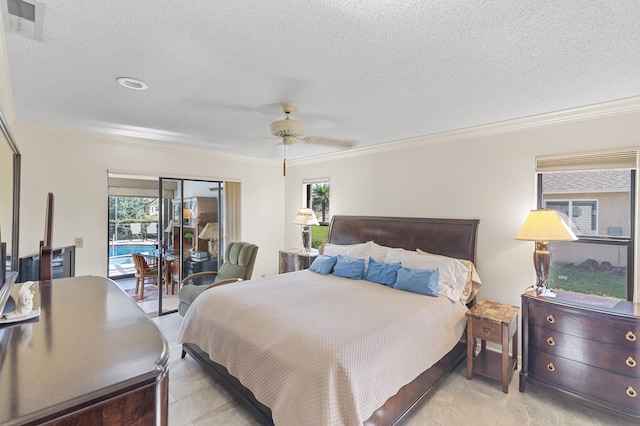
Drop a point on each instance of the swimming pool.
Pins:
(120, 254)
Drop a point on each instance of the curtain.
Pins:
(232, 222)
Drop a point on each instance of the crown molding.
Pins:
(589, 112)
(82, 136)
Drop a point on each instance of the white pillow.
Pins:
(378, 252)
(354, 251)
(453, 274)
(473, 282)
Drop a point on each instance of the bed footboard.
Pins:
(394, 410)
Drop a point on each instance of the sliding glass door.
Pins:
(192, 222)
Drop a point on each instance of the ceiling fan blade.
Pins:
(334, 142)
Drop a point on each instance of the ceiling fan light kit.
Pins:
(288, 128)
(291, 130)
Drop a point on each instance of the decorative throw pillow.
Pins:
(349, 268)
(323, 264)
(382, 273)
(452, 274)
(421, 281)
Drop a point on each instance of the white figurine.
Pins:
(24, 305)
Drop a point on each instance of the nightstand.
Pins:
(497, 323)
(296, 260)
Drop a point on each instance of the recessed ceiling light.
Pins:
(132, 83)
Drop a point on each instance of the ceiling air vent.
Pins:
(23, 16)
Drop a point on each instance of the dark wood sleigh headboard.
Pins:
(448, 237)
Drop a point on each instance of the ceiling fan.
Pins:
(291, 130)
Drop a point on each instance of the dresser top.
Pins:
(90, 341)
(495, 312)
(596, 303)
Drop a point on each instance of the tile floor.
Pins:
(196, 400)
(169, 301)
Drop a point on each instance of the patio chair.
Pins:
(136, 229)
(144, 271)
(152, 230)
(238, 266)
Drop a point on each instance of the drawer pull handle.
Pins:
(486, 330)
(630, 336)
(552, 367)
(550, 319)
(630, 362)
(631, 392)
(551, 341)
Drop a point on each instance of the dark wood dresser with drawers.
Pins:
(583, 347)
(92, 358)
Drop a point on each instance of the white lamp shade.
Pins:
(169, 227)
(306, 217)
(209, 232)
(545, 225)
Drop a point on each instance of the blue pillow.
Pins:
(323, 264)
(421, 281)
(349, 268)
(382, 273)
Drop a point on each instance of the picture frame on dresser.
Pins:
(583, 347)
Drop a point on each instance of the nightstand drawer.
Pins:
(486, 330)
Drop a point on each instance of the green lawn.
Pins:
(571, 278)
(319, 235)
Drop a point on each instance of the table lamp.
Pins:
(210, 232)
(543, 226)
(306, 218)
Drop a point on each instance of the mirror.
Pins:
(9, 195)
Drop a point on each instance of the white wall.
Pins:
(482, 173)
(74, 166)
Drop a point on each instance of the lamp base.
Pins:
(544, 290)
(213, 249)
(306, 239)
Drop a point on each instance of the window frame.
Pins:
(628, 242)
(308, 197)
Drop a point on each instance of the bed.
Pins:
(281, 377)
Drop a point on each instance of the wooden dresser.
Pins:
(91, 358)
(583, 347)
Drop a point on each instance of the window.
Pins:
(317, 198)
(599, 205)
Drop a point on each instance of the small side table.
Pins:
(497, 323)
(296, 260)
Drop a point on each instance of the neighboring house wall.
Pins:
(613, 208)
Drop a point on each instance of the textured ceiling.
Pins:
(370, 71)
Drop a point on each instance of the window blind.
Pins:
(620, 158)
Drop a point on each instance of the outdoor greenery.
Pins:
(319, 235)
(124, 211)
(600, 283)
(320, 201)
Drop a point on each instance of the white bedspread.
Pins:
(322, 350)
